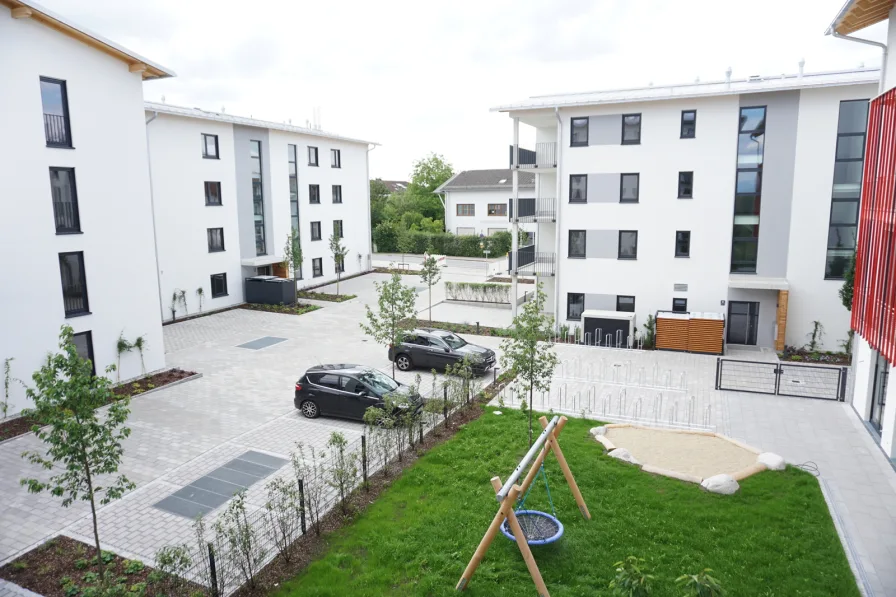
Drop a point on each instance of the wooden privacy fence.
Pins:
(690, 332)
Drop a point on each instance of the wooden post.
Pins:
(561, 459)
(493, 528)
(514, 525)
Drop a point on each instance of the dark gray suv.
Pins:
(349, 390)
(437, 349)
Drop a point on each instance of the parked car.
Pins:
(348, 391)
(437, 349)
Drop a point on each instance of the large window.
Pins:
(578, 188)
(628, 244)
(315, 230)
(257, 196)
(628, 188)
(65, 200)
(688, 124)
(683, 243)
(215, 240)
(336, 158)
(575, 304)
(314, 193)
(497, 209)
(631, 129)
(337, 193)
(625, 303)
(337, 228)
(54, 98)
(212, 193)
(848, 162)
(219, 285)
(74, 284)
(748, 190)
(210, 146)
(312, 156)
(317, 267)
(579, 132)
(685, 185)
(84, 346)
(466, 209)
(576, 244)
(679, 305)
(291, 153)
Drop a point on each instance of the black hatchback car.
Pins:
(348, 391)
(437, 349)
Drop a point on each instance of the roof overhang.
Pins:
(751, 282)
(26, 9)
(858, 14)
(261, 261)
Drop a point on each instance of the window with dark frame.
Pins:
(255, 170)
(317, 267)
(210, 147)
(54, 99)
(578, 133)
(315, 230)
(575, 305)
(83, 342)
(466, 209)
(292, 158)
(685, 185)
(748, 189)
(683, 243)
(335, 158)
(74, 284)
(628, 244)
(688, 124)
(497, 209)
(337, 193)
(679, 305)
(215, 240)
(578, 188)
(631, 129)
(212, 193)
(625, 303)
(576, 244)
(314, 193)
(628, 187)
(65, 200)
(312, 156)
(219, 285)
(337, 228)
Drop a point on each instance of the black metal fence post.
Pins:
(421, 432)
(212, 571)
(364, 460)
(718, 371)
(445, 404)
(844, 375)
(494, 376)
(302, 504)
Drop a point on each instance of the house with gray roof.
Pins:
(477, 202)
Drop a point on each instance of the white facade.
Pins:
(486, 220)
(108, 156)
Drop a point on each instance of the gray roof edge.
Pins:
(485, 188)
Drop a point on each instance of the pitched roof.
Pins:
(486, 180)
(395, 186)
(858, 14)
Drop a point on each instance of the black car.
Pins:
(437, 349)
(348, 391)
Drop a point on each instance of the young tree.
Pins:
(430, 275)
(292, 256)
(526, 351)
(396, 303)
(379, 194)
(85, 443)
(339, 252)
(343, 468)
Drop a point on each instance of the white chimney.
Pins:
(802, 64)
(728, 75)
(223, 109)
(163, 99)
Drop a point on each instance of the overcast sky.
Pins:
(420, 76)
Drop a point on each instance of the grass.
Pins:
(773, 538)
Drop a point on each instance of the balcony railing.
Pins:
(544, 156)
(542, 209)
(55, 130)
(532, 263)
(66, 214)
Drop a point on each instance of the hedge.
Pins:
(478, 292)
(389, 239)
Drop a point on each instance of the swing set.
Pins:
(528, 527)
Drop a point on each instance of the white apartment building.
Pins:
(226, 191)
(478, 202)
(74, 192)
(737, 197)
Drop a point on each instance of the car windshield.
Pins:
(454, 341)
(377, 381)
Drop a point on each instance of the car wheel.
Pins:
(309, 410)
(403, 362)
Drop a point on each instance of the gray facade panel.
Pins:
(605, 130)
(602, 244)
(600, 302)
(241, 137)
(603, 188)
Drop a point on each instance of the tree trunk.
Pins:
(430, 303)
(530, 414)
(96, 532)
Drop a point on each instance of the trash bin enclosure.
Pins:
(618, 325)
(270, 290)
(690, 332)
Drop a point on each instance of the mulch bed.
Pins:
(804, 355)
(459, 328)
(198, 315)
(509, 280)
(296, 309)
(324, 296)
(395, 270)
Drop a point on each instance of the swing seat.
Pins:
(540, 528)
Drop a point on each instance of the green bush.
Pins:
(385, 237)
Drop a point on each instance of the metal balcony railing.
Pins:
(66, 214)
(544, 156)
(532, 263)
(55, 130)
(542, 209)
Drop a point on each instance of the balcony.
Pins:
(532, 263)
(56, 130)
(544, 156)
(543, 209)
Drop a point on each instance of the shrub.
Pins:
(385, 237)
(632, 578)
(488, 292)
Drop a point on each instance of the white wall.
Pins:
(109, 157)
(481, 221)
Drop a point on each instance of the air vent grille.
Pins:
(681, 287)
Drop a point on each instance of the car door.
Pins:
(323, 390)
(358, 397)
(440, 354)
(416, 347)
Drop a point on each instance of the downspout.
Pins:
(369, 212)
(152, 206)
(557, 225)
(882, 46)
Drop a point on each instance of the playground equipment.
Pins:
(528, 527)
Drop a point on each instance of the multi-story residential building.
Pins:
(477, 202)
(874, 299)
(226, 191)
(74, 191)
(736, 197)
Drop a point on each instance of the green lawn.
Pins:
(774, 537)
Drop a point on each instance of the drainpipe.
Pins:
(152, 206)
(369, 212)
(514, 243)
(557, 224)
(883, 47)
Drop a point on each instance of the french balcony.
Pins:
(56, 130)
(542, 209)
(544, 157)
(532, 263)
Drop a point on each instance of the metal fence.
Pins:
(782, 379)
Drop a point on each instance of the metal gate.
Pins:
(782, 379)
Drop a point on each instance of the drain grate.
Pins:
(262, 343)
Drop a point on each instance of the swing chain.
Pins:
(522, 503)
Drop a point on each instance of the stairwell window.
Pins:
(628, 244)
(84, 346)
(317, 267)
(688, 124)
(683, 243)
(337, 228)
(629, 185)
(312, 156)
(215, 240)
(314, 193)
(578, 188)
(578, 132)
(74, 284)
(336, 158)
(576, 244)
(210, 147)
(54, 98)
(219, 285)
(685, 185)
(631, 129)
(575, 304)
(212, 193)
(337, 193)
(315, 230)
(65, 200)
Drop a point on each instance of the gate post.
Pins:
(718, 372)
(779, 369)
(844, 376)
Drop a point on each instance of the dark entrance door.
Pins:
(879, 391)
(743, 320)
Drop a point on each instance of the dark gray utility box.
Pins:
(270, 290)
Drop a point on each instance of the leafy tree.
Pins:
(85, 443)
(379, 195)
(430, 275)
(428, 174)
(846, 290)
(396, 303)
(292, 256)
(525, 350)
(339, 252)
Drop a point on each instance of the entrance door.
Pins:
(879, 391)
(743, 321)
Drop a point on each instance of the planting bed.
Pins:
(325, 296)
(297, 309)
(805, 355)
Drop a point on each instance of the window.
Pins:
(219, 285)
(685, 185)
(293, 186)
(683, 243)
(466, 209)
(84, 345)
(336, 158)
(465, 231)
(680, 305)
(54, 97)
(215, 240)
(257, 196)
(74, 284)
(631, 129)
(849, 160)
(748, 190)
(628, 188)
(337, 228)
(312, 156)
(579, 132)
(65, 200)
(340, 265)
(578, 188)
(264, 270)
(625, 303)
(575, 304)
(493, 231)
(314, 193)
(210, 146)
(212, 193)
(497, 209)
(315, 230)
(688, 124)
(337, 193)
(628, 244)
(576, 244)
(317, 267)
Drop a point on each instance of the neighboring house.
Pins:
(674, 198)
(478, 202)
(74, 190)
(874, 300)
(227, 189)
(395, 186)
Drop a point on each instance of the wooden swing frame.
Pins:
(508, 492)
